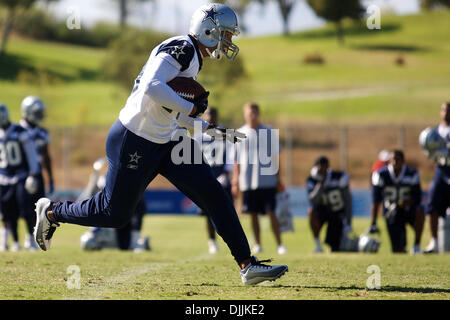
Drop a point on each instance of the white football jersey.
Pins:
(255, 155)
(143, 113)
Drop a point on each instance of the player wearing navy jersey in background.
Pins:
(33, 113)
(218, 154)
(330, 201)
(139, 146)
(439, 192)
(18, 170)
(396, 187)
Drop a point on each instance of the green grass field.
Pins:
(358, 83)
(179, 267)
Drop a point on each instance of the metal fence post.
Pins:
(289, 146)
(402, 138)
(66, 157)
(343, 146)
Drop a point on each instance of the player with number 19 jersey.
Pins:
(332, 198)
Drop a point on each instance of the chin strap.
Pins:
(216, 54)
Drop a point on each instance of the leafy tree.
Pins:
(124, 10)
(239, 6)
(285, 7)
(12, 9)
(127, 54)
(335, 11)
(430, 4)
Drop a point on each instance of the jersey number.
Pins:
(334, 199)
(10, 154)
(392, 194)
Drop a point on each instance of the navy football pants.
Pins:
(133, 162)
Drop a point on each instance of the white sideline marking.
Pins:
(98, 291)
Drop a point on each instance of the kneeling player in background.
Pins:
(18, 169)
(330, 201)
(397, 188)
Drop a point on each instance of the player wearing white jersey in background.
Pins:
(258, 189)
(439, 193)
(139, 146)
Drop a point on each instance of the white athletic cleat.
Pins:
(432, 247)
(256, 249)
(318, 249)
(256, 272)
(142, 244)
(282, 249)
(44, 229)
(213, 248)
(29, 243)
(416, 250)
(15, 247)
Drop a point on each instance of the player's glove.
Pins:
(31, 185)
(201, 104)
(224, 133)
(373, 228)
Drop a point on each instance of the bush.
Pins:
(127, 54)
(314, 58)
(38, 24)
(222, 72)
(400, 61)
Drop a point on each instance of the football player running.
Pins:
(330, 201)
(436, 142)
(397, 188)
(139, 146)
(19, 168)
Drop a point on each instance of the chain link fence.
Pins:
(350, 148)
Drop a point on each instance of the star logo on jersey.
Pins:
(211, 14)
(177, 51)
(133, 158)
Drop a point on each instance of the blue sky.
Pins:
(173, 16)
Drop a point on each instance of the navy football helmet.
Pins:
(4, 115)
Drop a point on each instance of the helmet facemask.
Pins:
(37, 116)
(227, 47)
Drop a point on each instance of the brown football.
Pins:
(186, 88)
